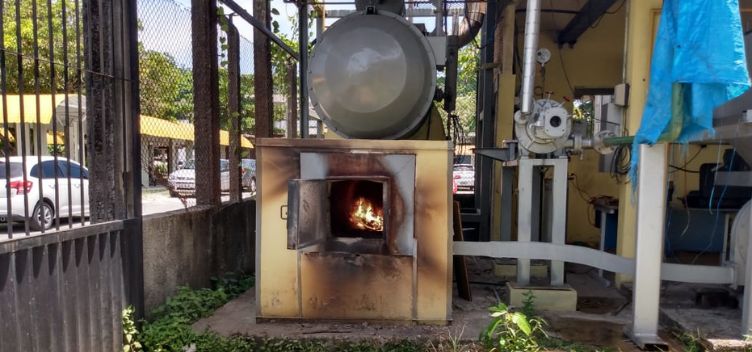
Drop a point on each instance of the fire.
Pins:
(365, 217)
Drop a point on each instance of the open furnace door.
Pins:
(307, 213)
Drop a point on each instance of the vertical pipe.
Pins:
(303, 50)
(81, 142)
(651, 211)
(532, 27)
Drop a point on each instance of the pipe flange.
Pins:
(598, 143)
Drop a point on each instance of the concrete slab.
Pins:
(546, 298)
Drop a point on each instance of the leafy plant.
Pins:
(170, 327)
(690, 342)
(528, 303)
(130, 333)
(511, 331)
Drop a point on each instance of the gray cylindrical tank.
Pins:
(372, 76)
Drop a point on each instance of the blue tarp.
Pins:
(698, 64)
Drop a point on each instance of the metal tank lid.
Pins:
(372, 76)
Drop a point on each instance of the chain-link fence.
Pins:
(45, 78)
(168, 168)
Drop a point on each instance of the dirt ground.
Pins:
(602, 316)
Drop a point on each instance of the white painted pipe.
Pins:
(532, 29)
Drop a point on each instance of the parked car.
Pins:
(248, 169)
(464, 177)
(183, 182)
(45, 208)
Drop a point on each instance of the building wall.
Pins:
(188, 247)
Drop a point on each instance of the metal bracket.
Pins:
(507, 153)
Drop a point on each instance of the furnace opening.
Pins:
(357, 209)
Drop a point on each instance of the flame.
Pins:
(365, 217)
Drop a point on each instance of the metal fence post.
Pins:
(105, 125)
(206, 101)
(233, 108)
(292, 103)
(303, 37)
(262, 70)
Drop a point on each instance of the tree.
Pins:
(65, 22)
(166, 89)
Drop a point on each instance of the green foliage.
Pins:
(528, 303)
(170, 328)
(63, 51)
(690, 342)
(512, 331)
(130, 333)
(166, 89)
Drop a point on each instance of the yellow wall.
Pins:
(595, 61)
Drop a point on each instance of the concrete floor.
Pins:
(601, 319)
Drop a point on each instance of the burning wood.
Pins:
(365, 217)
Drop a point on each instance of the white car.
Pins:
(40, 192)
(464, 177)
(183, 182)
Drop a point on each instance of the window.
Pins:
(47, 168)
(76, 171)
(15, 170)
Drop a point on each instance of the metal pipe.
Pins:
(256, 23)
(532, 28)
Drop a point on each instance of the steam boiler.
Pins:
(358, 227)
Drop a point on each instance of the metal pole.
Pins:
(524, 216)
(292, 103)
(532, 24)
(262, 71)
(559, 216)
(259, 24)
(233, 108)
(303, 35)
(206, 101)
(651, 210)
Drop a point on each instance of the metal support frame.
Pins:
(259, 25)
(486, 124)
(526, 218)
(651, 210)
(591, 12)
